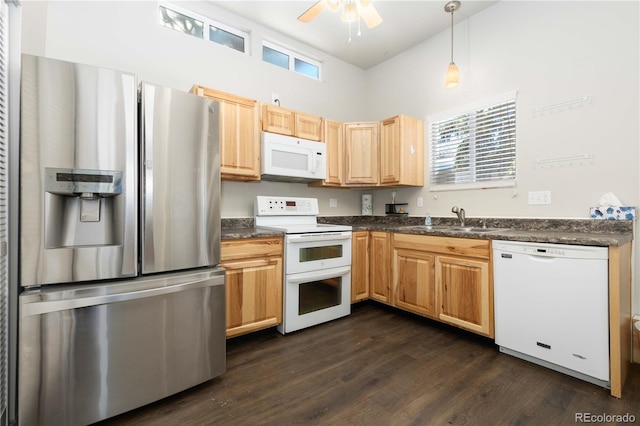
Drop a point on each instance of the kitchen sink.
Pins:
(458, 228)
(472, 229)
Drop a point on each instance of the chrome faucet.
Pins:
(460, 213)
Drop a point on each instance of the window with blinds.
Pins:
(475, 146)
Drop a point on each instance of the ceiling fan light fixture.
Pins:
(453, 74)
(350, 12)
(333, 5)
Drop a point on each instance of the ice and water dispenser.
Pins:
(82, 208)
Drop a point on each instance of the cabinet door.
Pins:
(380, 277)
(390, 151)
(359, 266)
(278, 120)
(333, 140)
(239, 135)
(254, 294)
(464, 293)
(402, 151)
(361, 153)
(413, 281)
(308, 126)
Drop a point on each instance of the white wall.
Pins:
(549, 51)
(125, 35)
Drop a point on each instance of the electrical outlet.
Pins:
(539, 197)
(275, 99)
(419, 202)
(333, 202)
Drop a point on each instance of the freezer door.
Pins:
(92, 353)
(180, 180)
(78, 173)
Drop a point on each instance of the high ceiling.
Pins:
(405, 24)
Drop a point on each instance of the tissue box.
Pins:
(613, 213)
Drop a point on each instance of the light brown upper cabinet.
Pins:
(333, 138)
(284, 121)
(388, 153)
(402, 151)
(361, 153)
(239, 134)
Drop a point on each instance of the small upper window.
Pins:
(190, 23)
(287, 59)
(181, 22)
(475, 146)
(226, 38)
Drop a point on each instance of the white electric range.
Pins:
(317, 261)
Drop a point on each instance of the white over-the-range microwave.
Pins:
(286, 158)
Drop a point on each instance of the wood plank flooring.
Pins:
(380, 366)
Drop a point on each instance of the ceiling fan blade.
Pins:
(312, 12)
(370, 16)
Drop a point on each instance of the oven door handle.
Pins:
(317, 275)
(327, 236)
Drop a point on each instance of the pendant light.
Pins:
(453, 75)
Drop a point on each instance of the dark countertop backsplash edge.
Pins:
(565, 225)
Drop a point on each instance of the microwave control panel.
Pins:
(285, 206)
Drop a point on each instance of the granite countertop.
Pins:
(587, 232)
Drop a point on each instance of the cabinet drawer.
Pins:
(248, 248)
(444, 245)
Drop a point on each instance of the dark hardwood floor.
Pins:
(382, 367)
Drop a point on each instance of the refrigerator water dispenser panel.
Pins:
(81, 208)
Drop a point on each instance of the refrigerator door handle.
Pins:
(44, 307)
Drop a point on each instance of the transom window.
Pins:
(288, 59)
(474, 146)
(187, 22)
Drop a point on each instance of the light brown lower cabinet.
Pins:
(463, 293)
(380, 266)
(253, 284)
(370, 266)
(448, 279)
(359, 266)
(414, 281)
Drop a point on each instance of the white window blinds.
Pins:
(475, 146)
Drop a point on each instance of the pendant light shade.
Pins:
(453, 74)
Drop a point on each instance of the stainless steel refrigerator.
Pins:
(122, 302)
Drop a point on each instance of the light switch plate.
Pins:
(333, 202)
(419, 202)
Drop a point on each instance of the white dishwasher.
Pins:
(551, 306)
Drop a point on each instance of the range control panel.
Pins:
(285, 206)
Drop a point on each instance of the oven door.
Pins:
(315, 251)
(312, 298)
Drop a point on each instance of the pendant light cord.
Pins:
(451, 36)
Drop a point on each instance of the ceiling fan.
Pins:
(353, 10)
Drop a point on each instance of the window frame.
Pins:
(293, 55)
(207, 24)
(472, 109)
